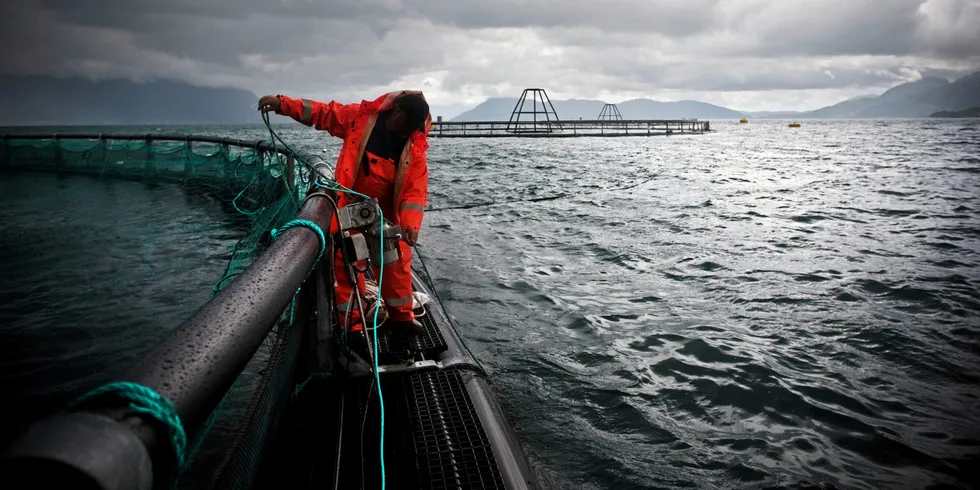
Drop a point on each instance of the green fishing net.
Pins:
(252, 181)
(263, 190)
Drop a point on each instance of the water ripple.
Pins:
(774, 309)
(767, 312)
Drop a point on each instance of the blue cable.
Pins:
(335, 186)
(377, 308)
(377, 376)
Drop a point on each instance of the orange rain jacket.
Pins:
(353, 123)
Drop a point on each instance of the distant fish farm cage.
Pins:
(543, 122)
(566, 129)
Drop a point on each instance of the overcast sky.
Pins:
(744, 54)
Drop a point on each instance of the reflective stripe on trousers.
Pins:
(396, 287)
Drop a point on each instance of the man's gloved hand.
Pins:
(410, 235)
(269, 103)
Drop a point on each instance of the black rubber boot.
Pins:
(404, 339)
(404, 328)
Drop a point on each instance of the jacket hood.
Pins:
(387, 101)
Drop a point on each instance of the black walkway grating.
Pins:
(429, 342)
(434, 439)
(451, 448)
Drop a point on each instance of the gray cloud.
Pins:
(677, 19)
(950, 28)
(460, 52)
(828, 28)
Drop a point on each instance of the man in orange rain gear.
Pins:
(384, 157)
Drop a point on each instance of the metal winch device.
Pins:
(363, 219)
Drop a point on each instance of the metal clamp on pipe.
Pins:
(111, 443)
(363, 218)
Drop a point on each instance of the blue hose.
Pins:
(335, 186)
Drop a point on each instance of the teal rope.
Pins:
(335, 186)
(308, 224)
(377, 308)
(312, 376)
(323, 245)
(377, 375)
(273, 136)
(146, 401)
(234, 202)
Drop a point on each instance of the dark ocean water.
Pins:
(769, 307)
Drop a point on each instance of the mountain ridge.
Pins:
(972, 112)
(917, 99)
(50, 101)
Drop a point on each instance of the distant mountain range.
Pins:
(971, 112)
(48, 101)
(921, 98)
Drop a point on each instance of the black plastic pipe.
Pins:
(200, 360)
(111, 448)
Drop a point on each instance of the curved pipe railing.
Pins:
(109, 446)
(252, 144)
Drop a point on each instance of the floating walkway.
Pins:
(567, 129)
(544, 123)
(444, 428)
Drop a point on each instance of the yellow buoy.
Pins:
(743, 121)
(794, 125)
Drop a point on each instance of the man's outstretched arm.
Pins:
(332, 116)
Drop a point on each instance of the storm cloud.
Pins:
(745, 54)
